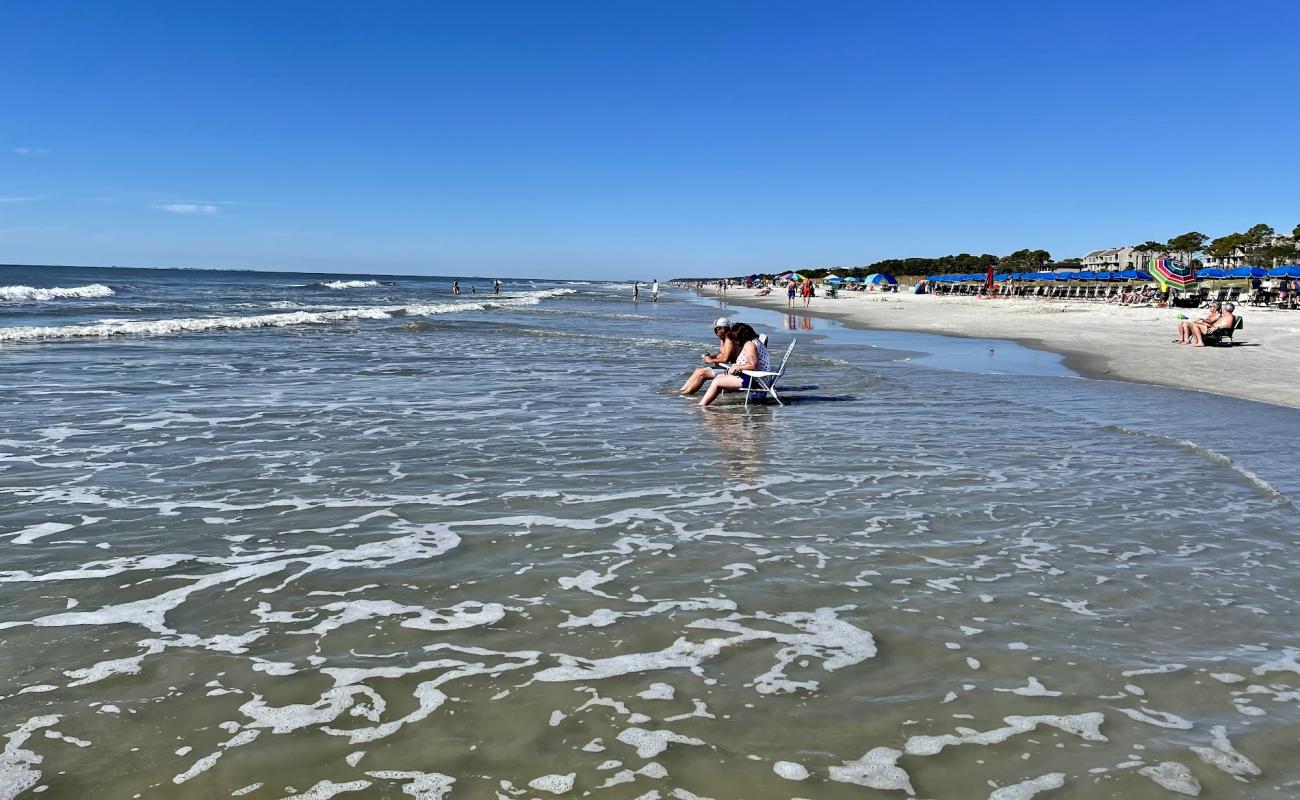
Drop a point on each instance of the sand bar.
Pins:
(1099, 340)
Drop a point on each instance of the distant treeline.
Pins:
(1019, 261)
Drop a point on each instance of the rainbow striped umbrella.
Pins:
(1172, 273)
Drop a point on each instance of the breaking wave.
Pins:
(349, 284)
(162, 327)
(29, 293)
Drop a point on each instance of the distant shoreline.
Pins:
(1097, 340)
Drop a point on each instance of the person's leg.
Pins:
(720, 384)
(696, 380)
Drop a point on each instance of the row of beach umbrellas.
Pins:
(875, 279)
(1288, 271)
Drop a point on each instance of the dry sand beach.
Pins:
(1098, 340)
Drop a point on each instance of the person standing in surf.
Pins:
(654, 290)
(496, 286)
(636, 291)
(455, 287)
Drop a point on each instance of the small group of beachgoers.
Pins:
(739, 349)
(654, 290)
(1219, 319)
(803, 288)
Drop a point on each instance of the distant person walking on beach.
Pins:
(807, 291)
(455, 287)
(636, 291)
(496, 286)
(790, 288)
(654, 290)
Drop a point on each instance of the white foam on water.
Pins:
(1160, 719)
(650, 743)
(1027, 789)
(791, 770)
(419, 785)
(1164, 669)
(349, 284)
(32, 533)
(19, 293)
(822, 635)
(1173, 776)
(17, 773)
(1034, 689)
(1086, 726)
(163, 327)
(555, 784)
(877, 769)
(1223, 756)
(327, 789)
(657, 691)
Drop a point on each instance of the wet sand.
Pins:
(1098, 340)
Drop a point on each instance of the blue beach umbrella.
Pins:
(1243, 272)
(1285, 271)
(1212, 272)
(880, 278)
(853, 279)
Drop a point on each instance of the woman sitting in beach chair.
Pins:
(1185, 328)
(1223, 326)
(753, 356)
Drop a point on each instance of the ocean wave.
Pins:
(30, 293)
(348, 284)
(163, 327)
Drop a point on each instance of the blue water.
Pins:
(274, 535)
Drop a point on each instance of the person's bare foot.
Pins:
(1194, 344)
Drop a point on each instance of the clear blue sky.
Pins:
(630, 138)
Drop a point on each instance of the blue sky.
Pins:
(623, 138)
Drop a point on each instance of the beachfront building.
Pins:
(1117, 258)
(1238, 256)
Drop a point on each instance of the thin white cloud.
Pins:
(18, 199)
(188, 208)
(30, 151)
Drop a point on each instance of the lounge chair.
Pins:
(762, 383)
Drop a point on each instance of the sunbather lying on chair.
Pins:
(1185, 328)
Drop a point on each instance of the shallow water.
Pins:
(483, 552)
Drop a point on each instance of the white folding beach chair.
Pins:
(762, 384)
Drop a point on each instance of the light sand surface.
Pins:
(1099, 340)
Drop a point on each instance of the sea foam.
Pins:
(349, 284)
(20, 294)
(162, 327)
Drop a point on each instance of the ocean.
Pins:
(272, 535)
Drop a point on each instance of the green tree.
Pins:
(1258, 233)
(1295, 233)
(1225, 246)
(1189, 244)
(1150, 247)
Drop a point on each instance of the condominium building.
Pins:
(1118, 258)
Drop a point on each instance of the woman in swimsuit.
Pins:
(753, 356)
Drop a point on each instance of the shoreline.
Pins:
(1099, 341)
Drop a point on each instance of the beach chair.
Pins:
(1224, 338)
(762, 384)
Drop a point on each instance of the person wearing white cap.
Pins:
(726, 353)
